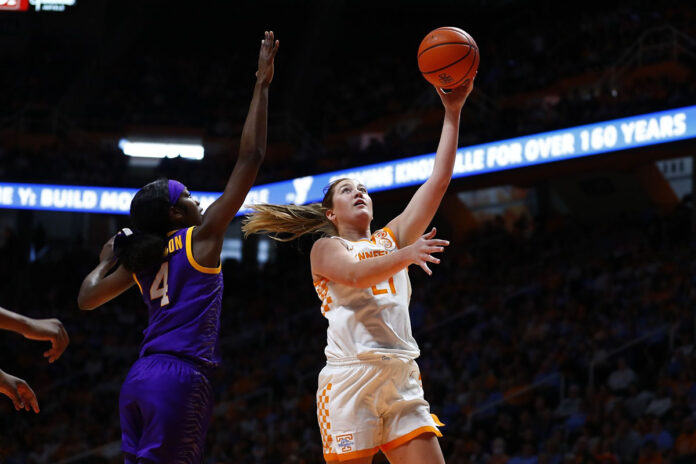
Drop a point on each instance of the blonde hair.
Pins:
(289, 222)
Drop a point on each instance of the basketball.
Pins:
(448, 57)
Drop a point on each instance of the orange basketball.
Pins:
(448, 57)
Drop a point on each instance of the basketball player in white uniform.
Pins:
(369, 396)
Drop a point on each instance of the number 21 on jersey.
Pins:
(159, 287)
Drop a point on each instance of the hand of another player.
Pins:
(421, 250)
(269, 48)
(51, 330)
(107, 252)
(21, 394)
(455, 99)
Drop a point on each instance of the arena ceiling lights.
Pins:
(148, 149)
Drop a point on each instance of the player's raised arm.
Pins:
(208, 236)
(413, 221)
(330, 260)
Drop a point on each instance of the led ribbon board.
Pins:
(530, 150)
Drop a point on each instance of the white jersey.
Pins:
(367, 323)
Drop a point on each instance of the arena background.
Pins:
(559, 327)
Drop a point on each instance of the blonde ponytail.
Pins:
(292, 221)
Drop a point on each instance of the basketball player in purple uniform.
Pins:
(172, 254)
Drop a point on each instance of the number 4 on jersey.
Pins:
(159, 287)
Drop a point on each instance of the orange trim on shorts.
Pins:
(352, 455)
(410, 436)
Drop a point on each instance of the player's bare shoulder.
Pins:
(329, 244)
(326, 252)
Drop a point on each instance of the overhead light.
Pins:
(161, 150)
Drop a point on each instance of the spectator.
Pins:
(622, 377)
(660, 404)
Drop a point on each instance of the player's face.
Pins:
(191, 213)
(351, 203)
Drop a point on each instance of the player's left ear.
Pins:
(176, 214)
(330, 215)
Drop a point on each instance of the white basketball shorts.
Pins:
(365, 406)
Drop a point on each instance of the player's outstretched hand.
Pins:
(269, 48)
(50, 330)
(421, 250)
(455, 98)
(21, 394)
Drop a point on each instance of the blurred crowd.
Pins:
(549, 342)
(541, 69)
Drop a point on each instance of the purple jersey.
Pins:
(183, 300)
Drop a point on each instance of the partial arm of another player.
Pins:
(37, 329)
(21, 394)
(99, 287)
(331, 260)
(412, 222)
(252, 150)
